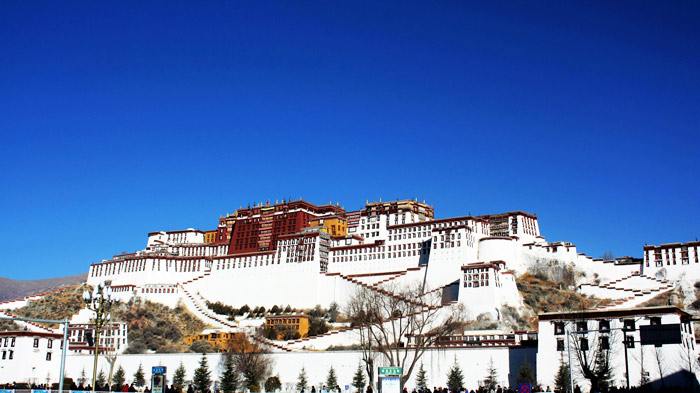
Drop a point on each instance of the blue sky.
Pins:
(121, 118)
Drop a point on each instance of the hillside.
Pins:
(15, 289)
(156, 327)
(56, 305)
(545, 295)
(152, 326)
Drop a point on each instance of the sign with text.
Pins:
(158, 370)
(390, 384)
(390, 371)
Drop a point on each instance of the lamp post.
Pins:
(101, 301)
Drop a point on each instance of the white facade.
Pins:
(30, 356)
(595, 326)
(311, 268)
(437, 363)
(673, 261)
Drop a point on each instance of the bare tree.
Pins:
(690, 364)
(659, 360)
(111, 358)
(361, 319)
(400, 323)
(593, 352)
(250, 360)
(608, 256)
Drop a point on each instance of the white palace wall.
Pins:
(437, 363)
(297, 284)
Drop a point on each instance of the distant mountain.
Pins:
(15, 289)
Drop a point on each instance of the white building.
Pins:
(31, 357)
(619, 332)
(673, 260)
(114, 337)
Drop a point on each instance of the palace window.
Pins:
(560, 344)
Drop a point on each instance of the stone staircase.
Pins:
(269, 343)
(317, 342)
(197, 304)
(628, 291)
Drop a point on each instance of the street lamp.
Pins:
(101, 301)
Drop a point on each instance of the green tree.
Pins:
(83, 378)
(272, 384)
(139, 379)
(101, 379)
(302, 381)
(119, 378)
(317, 326)
(230, 378)
(561, 380)
(491, 379)
(358, 380)
(455, 378)
(333, 312)
(526, 374)
(202, 376)
(422, 378)
(331, 379)
(179, 377)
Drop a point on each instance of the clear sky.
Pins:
(121, 118)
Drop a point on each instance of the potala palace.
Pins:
(303, 255)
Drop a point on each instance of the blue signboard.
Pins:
(524, 388)
(158, 370)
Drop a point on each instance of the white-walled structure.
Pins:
(31, 357)
(673, 261)
(304, 266)
(592, 331)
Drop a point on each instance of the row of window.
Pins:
(603, 343)
(399, 254)
(603, 325)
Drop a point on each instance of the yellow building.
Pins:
(210, 236)
(335, 226)
(220, 341)
(297, 323)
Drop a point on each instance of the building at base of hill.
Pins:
(653, 345)
(220, 341)
(30, 357)
(286, 326)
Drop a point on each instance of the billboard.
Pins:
(660, 334)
